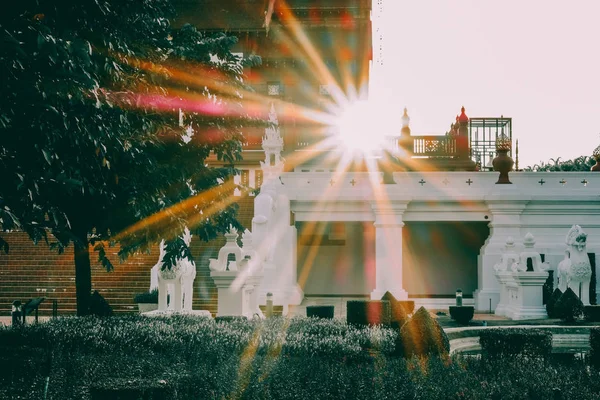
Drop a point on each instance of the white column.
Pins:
(506, 204)
(388, 250)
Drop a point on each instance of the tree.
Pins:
(91, 142)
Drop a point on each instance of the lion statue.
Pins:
(575, 270)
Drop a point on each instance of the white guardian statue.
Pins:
(575, 270)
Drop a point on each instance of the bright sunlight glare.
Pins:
(357, 128)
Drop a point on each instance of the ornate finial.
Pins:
(405, 123)
(529, 240)
(463, 117)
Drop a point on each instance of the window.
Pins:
(258, 178)
(245, 177)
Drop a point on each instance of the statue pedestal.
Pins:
(525, 291)
(504, 277)
(242, 302)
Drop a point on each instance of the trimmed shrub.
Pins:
(408, 305)
(515, 342)
(399, 315)
(99, 306)
(320, 311)
(368, 312)
(150, 297)
(594, 354)
(462, 314)
(591, 313)
(551, 303)
(421, 336)
(569, 307)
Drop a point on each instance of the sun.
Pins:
(357, 129)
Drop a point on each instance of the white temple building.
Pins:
(421, 235)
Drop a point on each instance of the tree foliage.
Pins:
(582, 163)
(90, 136)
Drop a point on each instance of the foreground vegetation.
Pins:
(283, 359)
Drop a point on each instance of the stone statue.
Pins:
(181, 276)
(575, 270)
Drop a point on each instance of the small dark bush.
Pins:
(423, 335)
(551, 303)
(515, 342)
(368, 312)
(147, 297)
(320, 311)
(399, 315)
(99, 306)
(462, 314)
(569, 307)
(594, 354)
(591, 313)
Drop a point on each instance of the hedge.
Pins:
(591, 313)
(569, 307)
(368, 312)
(421, 336)
(320, 311)
(196, 358)
(551, 304)
(594, 354)
(515, 342)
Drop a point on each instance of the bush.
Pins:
(150, 297)
(569, 307)
(320, 311)
(368, 312)
(231, 318)
(99, 306)
(462, 314)
(551, 303)
(421, 336)
(515, 342)
(408, 305)
(594, 354)
(591, 313)
(399, 315)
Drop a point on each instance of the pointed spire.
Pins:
(463, 117)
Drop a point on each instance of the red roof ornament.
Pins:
(463, 117)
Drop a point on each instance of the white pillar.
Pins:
(388, 250)
(506, 204)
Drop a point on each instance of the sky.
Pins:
(535, 61)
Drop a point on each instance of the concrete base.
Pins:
(483, 297)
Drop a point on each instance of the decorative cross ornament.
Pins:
(331, 182)
(541, 182)
(562, 182)
(445, 181)
(422, 182)
(585, 182)
(469, 181)
(353, 182)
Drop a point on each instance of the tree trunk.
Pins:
(83, 273)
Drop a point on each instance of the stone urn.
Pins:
(503, 163)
